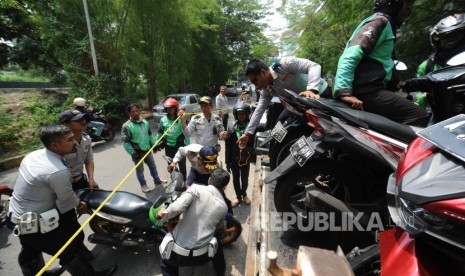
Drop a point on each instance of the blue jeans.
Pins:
(140, 169)
(99, 125)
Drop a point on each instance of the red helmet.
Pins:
(169, 102)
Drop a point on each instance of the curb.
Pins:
(14, 162)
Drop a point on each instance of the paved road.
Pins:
(112, 165)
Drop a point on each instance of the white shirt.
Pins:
(83, 155)
(205, 132)
(222, 104)
(44, 183)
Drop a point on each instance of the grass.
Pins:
(16, 78)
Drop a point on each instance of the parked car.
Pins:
(231, 90)
(187, 101)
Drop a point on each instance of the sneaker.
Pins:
(235, 202)
(160, 181)
(145, 189)
(246, 200)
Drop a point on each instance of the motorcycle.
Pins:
(108, 132)
(5, 194)
(343, 166)
(128, 219)
(426, 201)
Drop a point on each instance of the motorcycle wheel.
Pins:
(330, 175)
(108, 133)
(279, 151)
(233, 231)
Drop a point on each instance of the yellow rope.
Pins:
(53, 259)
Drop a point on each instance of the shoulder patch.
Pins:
(289, 60)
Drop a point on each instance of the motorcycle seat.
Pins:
(384, 125)
(122, 204)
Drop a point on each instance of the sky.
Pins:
(276, 21)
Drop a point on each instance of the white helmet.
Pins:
(79, 102)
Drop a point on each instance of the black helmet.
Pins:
(241, 107)
(446, 26)
(389, 7)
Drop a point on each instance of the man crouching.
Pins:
(193, 241)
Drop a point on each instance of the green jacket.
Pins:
(366, 61)
(423, 68)
(137, 136)
(175, 137)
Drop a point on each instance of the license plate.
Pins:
(301, 151)
(279, 132)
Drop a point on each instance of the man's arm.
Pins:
(180, 204)
(60, 183)
(263, 104)
(219, 105)
(312, 69)
(126, 138)
(362, 43)
(190, 129)
(90, 167)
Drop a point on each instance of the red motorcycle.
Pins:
(426, 200)
(5, 194)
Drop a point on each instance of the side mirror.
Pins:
(400, 66)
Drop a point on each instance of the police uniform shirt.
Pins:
(205, 132)
(295, 74)
(44, 183)
(191, 152)
(203, 209)
(222, 104)
(83, 155)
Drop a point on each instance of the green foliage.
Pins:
(16, 78)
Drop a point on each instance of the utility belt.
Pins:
(77, 178)
(168, 245)
(31, 222)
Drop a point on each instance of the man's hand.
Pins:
(223, 135)
(171, 167)
(81, 208)
(182, 113)
(356, 103)
(160, 213)
(243, 141)
(93, 184)
(309, 94)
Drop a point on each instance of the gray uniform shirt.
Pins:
(205, 132)
(291, 73)
(204, 211)
(83, 155)
(44, 183)
(222, 104)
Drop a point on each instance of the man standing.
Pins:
(137, 141)
(222, 106)
(83, 156)
(42, 208)
(203, 210)
(296, 74)
(366, 76)
(205, 127)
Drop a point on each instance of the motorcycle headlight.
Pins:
(415, 219)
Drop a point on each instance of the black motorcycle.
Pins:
(108, 132)
(5, 194)
(128, 219)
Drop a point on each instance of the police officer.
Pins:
(205, 127)
(193, 240)
(296, 74)
(83, 156)
(43, 196)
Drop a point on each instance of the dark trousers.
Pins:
(171, 152)
(241, 176)
(51, 242)
(225, 121)
(385, 103)
(170, 267)
(81, 183)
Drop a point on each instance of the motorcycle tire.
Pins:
(279, 151)
(108, 133)
(233, 231)
(344, 183)
(103, 226)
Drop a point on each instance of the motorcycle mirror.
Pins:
(400, 66)
(457, 59)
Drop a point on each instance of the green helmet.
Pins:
(153, 215)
